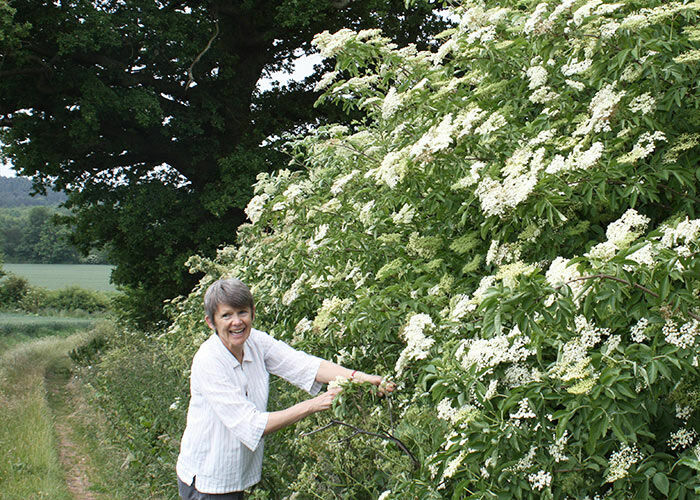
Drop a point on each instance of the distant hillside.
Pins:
(14, 192)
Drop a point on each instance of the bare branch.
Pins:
(190, 78)
(358, 430)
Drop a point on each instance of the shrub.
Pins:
(12, 289)
(513, 234)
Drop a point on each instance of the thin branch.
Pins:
(382, 435)
(620, 280)
(190, 78)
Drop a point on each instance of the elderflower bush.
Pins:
(512, 234)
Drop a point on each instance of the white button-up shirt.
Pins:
(223, 441)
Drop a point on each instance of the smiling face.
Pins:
(232, 325)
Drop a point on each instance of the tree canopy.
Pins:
(513, 236)
(147, 114)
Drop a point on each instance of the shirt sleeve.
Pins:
(296, 367)
(229, 403)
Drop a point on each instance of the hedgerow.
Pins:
(512, 235)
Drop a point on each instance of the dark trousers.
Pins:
(191, 493)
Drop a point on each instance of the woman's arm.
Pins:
(277, 420)
(328, 371)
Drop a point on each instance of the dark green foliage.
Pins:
(17, 294)
(99, 100)
(135, 384)
(32, 235)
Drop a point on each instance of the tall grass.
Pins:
(29, 464)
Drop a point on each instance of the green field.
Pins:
(56, 276)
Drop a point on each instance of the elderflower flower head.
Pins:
(417, 343)
(540, 480)
(620, 462)
(682, 438)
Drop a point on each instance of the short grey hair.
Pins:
(231, 291)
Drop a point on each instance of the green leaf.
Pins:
(661, 482)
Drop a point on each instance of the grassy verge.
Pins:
(29, 463)
(53, 441)
(16, 328)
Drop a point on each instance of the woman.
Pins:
(222, 447)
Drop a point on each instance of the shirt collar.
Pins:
(246, 350)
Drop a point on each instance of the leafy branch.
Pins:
(624, 281)
(382, 434)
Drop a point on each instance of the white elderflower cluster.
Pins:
(601, 109)
(293, 293)
(467, 119)
(574, 362)
(364, 212)
(256, 207)
(638, 331)
(405, 215)
(384, 495)
(495, 121)
(561, 273)
(585, 11)
(645, 145)
(556, 449)
(459, 306)
(326, 80)
(498, 254)
(682, 438)
(577, 159)
(470, 179)
(392, 170)
(643, 103)
(392, 102)
(453, 465)
(340, 182)
(540, 480)
(575, 85)
(543, 95)
(590, 334)
(304, 325)
(331, 44)
(456, 416)
(497, 197)
(518, 375)
(536, 22)
(326, 313)
(537, 76)
(437, 138)
(486, 353)
(620, 461)
(683, 337)
(576, 67)
(339, 382)
(317, 240)
(683, 412)
(608, 30)
(627, 228)
(612, 343)
(687, 231)
(417, 343)
(643, 256)
(525, 462)
(621, 233)
(524, 412)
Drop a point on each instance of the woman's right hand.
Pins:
(324, 400)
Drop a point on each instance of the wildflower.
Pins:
(540, 480)
(417, 343)
(683, 338)
(392, 102)
(601, 109)
(576, 67)
(404, 215)
(556, 449)
(340, 182)
(437, 138)
(537, 76)
(384, 495)
(682, 438)
(683, 412)
(620, 461)
(485, 353)
(255, 207)
(637, 332)
(644, 147)
(643, 103)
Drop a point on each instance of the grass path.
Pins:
(48, 445)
